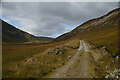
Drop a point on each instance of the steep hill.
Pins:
(11, 34)
(102, 31)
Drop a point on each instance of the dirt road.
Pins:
(79, 66)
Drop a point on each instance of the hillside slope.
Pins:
(11, 34)
(101, 31)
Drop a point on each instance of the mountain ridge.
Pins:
(85, 23)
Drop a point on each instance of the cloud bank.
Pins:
(52, 18)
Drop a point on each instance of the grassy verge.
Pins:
(105, 66)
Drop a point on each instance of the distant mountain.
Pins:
(44, 38)
(102, 31)
(11, 34)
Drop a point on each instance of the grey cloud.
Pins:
(50, 18)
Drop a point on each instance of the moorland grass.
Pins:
(16, 62)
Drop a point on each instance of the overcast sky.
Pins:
(52, 18)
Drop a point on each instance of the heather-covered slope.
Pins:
(101, 31)
(11, 34)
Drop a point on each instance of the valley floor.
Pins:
(85, 64)
(74, 59)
